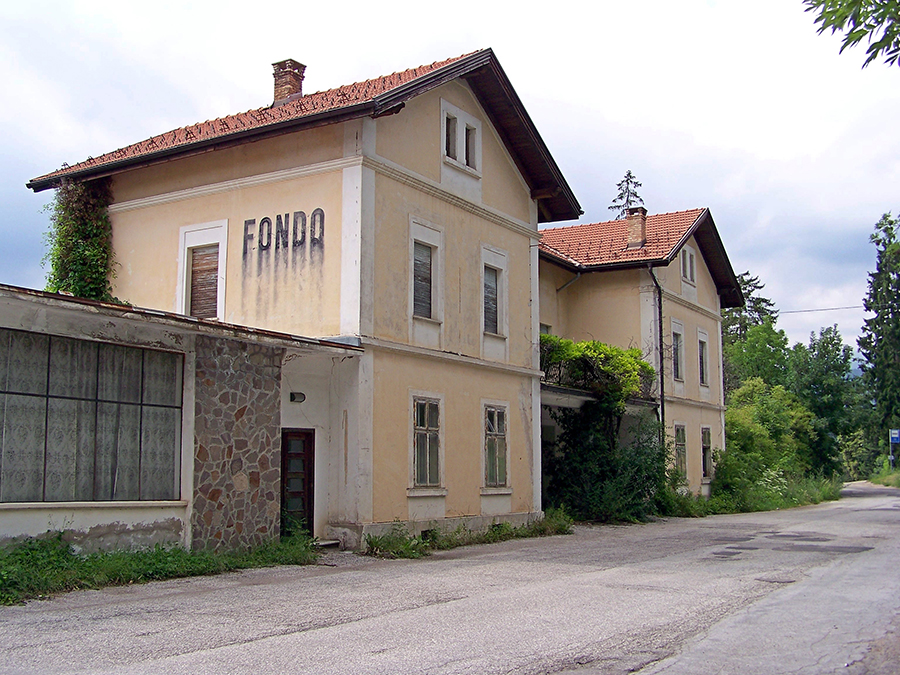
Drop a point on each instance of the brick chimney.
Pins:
(288, 79)
(636, 226)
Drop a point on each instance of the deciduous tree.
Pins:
(876, 21)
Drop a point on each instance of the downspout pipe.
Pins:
(660, 348)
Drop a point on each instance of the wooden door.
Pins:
(297, 466)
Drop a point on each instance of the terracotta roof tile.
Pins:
(606, 243)
(304, 106)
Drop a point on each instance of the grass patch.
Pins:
(42, 566)
(399, 543)
(889, 478)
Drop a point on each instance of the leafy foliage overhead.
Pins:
(876, 21)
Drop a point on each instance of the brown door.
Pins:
(296, 480)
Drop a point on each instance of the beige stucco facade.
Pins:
(316, 231)
(619, 307)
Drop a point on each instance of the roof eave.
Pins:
(238, 138)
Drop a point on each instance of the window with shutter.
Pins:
(490, 300)
(422, 283)
(204, 281)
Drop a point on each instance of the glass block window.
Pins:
(87, 421)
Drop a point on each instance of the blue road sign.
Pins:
(895, 435)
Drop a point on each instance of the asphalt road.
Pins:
(810, 590)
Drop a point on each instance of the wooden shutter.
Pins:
(490, 300)
(422, 280)
(205, 281)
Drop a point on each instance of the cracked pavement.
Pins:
(808, 590)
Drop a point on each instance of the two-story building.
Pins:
(399, 215)
(619, 282)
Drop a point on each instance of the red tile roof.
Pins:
(232, 125)
(596, 244)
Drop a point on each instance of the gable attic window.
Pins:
(450, 136)
(461, 139)
(688, 265)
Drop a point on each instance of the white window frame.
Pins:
(467, 159)
(678, 351)
(431, 235)
(688, 259)
(703, 357)
(415, 490)
(195, 236)
(487, 404)
(498, 260)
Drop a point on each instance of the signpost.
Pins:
(895, 440)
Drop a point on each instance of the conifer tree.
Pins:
(880, 339)
(627, 196)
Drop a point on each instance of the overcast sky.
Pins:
(736, 105)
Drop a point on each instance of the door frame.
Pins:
(309, 471)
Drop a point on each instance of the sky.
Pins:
(735, 105)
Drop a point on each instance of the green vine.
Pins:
(80, 241)
(611, 373)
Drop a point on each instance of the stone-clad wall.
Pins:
(237, 444)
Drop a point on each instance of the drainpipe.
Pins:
(660, 346)
(569, 283)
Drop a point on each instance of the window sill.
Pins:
(679, 379)
(459, 166)
(488, 491)
(496, 336)
(110, 504)
(426, 492)
(427, 319)
(705, 385)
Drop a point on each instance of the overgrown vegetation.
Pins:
(79, 242)
(41, 566)
(887, 477)
(398, 542)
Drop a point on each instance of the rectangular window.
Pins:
(677, 355)
(704, 362)
(471, 136)
(687, 265)
(422, 289)
(494, 446)
(204, 281)
(706, 447)
(546, 329)
(426, 437)
(87, 421)
(450, 136)
(202, 261)
(491, 285)
(680, 448)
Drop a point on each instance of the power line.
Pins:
(822, 309)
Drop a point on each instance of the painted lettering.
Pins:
(265, 234)
(281, 231)
(299, 224)
(317, 228)
(248, 235)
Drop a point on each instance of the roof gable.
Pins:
(375, 97)
(604, 246)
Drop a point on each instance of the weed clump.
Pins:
(40, 566)
(400, 543)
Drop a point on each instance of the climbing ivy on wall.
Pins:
(80, 241)
(590, 469)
